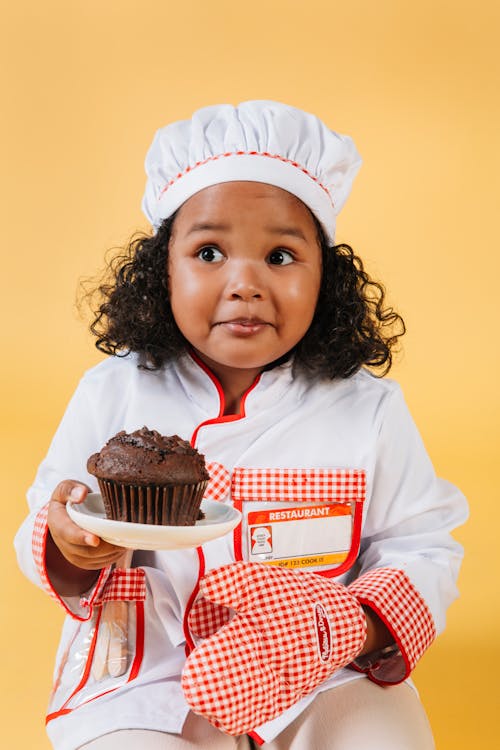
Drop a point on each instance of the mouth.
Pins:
(244, 326)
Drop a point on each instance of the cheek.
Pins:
(184, 286)
(189, 300)
(303, 295)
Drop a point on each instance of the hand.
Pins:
(71, 551)
(290, 632)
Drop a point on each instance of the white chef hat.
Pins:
(257, 141)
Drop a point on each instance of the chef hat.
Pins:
(259, 141)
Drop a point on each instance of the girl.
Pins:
(241, 326)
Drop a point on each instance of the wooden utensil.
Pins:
(111, 652)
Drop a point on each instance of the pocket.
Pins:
(106, 651)
(300, 518)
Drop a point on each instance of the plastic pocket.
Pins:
(300, 518)
(104, 652)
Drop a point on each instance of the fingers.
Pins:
(86, 561)
(62, 527)
(70, 490)
(79, 547)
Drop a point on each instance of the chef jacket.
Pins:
(298, 443)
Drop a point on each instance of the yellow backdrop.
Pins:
(87, 82)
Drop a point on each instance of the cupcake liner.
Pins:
(168, 505)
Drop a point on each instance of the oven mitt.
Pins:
(290, 632)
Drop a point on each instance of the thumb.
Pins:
(70, 490)
(232, 585)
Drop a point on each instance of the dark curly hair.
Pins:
(352, 327)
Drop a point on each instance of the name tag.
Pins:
(300, 536)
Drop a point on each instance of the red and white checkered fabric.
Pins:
(337, 485)
(206, 617)
(38, 545)
(270, 484)
(220, 481)
(391, 594)
(290, 631)
(38, 542)
(124, 585)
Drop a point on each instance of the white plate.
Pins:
(219, 520)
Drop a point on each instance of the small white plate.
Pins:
(219, 520)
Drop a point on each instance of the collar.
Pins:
(203, 388)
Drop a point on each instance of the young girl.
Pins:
(242, 327)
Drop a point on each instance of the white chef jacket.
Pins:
(287, 421)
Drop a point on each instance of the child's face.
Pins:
(244, 274)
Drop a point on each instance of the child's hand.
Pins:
(79, 547)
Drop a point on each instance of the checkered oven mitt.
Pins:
(290, 632)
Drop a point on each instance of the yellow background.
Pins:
(85, 85)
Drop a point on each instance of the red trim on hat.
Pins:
(246, 153)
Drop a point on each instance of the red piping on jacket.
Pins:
(220, 419)
(190, 644)
(255, 737)
(354, 549)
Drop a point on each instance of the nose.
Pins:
(245, 283)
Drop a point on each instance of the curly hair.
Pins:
(352, 326)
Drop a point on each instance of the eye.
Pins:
(280, 258)
(210, 254)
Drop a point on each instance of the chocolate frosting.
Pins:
(145, 457)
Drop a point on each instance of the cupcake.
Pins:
(145, 477)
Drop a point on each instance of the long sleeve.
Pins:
(408, 560)
(74, 439)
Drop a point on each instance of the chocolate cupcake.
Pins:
(145, 477)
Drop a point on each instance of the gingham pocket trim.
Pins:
(124, 585)
(220, 482)
(298, 485)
